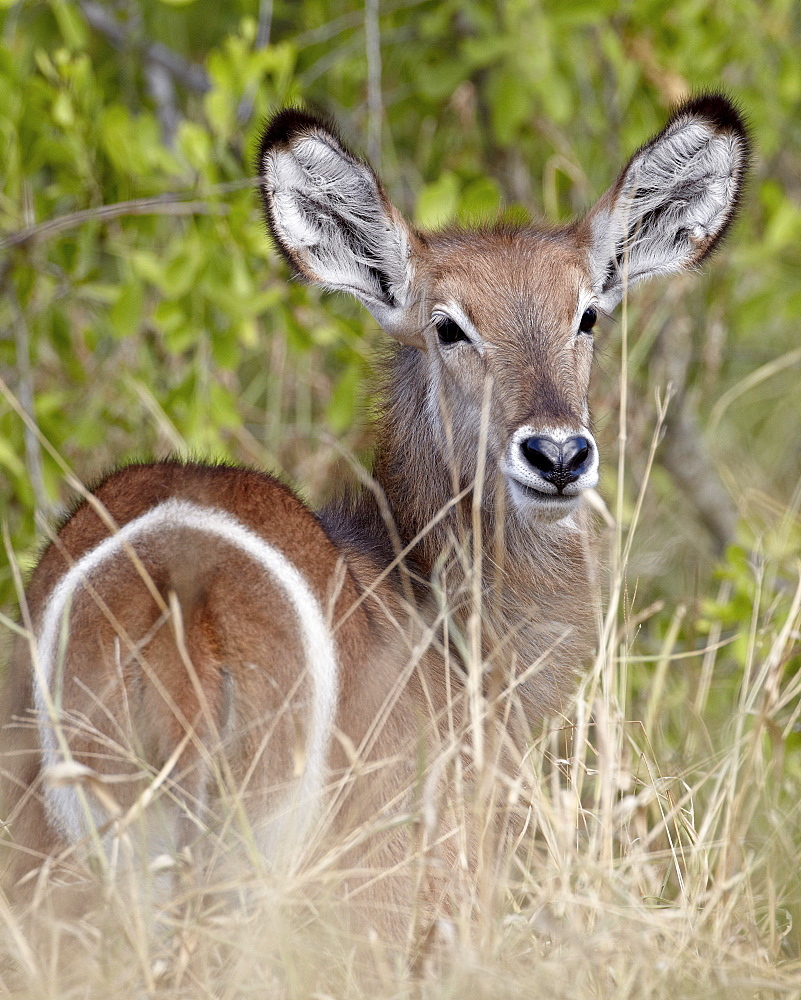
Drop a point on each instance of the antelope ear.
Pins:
(674, 200)
(333, 222)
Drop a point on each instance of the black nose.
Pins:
(561, 463)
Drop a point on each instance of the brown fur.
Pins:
(191, 642)
(539, 575)
(248, 667)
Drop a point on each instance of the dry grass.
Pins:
(654, 855)
(629, 880)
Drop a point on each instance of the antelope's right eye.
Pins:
(588, 320)
(448, 331)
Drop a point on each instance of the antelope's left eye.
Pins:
(448, 331)
(588, 320)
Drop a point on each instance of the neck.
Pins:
(534, 579)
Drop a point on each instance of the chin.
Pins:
(531, 504)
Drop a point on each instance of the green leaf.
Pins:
(225, 349)
(437, 202)
(345, 399)
(511, 105)
(63, 112)
(182, 270)
(223, 407)
(480, 200)
(126, 313)
(150, 267)
(73, 28)
(10, 459)
(194, 142)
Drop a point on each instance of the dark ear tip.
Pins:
(286, 125)
(719, 110)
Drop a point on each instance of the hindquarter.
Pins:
(196, 627)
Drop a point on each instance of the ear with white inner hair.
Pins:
(332, 221)
(673, 201)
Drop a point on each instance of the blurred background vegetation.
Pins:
(143, 311)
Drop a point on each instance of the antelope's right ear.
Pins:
(332, 221)
(674, 200)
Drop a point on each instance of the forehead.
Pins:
(502, 275)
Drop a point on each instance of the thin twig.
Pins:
(684, 453)
(372, 35)
(755, 378)
(162, 204)
(331, 57)
(262, 40)
(33, 452)
(345, 22)
(161, 88)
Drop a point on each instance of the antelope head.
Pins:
(501, 318)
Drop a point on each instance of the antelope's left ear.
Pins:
(333, 222)
(673, 201)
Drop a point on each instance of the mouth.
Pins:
(530, 496)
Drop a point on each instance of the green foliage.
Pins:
(168, 324)
(150, 330)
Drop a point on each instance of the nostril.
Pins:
(575, 453)
(559, 463)
(543, 454)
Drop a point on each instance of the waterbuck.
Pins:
(195, 630)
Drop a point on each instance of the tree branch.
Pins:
(163, 204)
(684, 453)
(188, 74)
(685, 456)
(162, 89)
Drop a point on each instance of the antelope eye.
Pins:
(588, 320)
(448, 331)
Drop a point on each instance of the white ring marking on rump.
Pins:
(62, 803)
